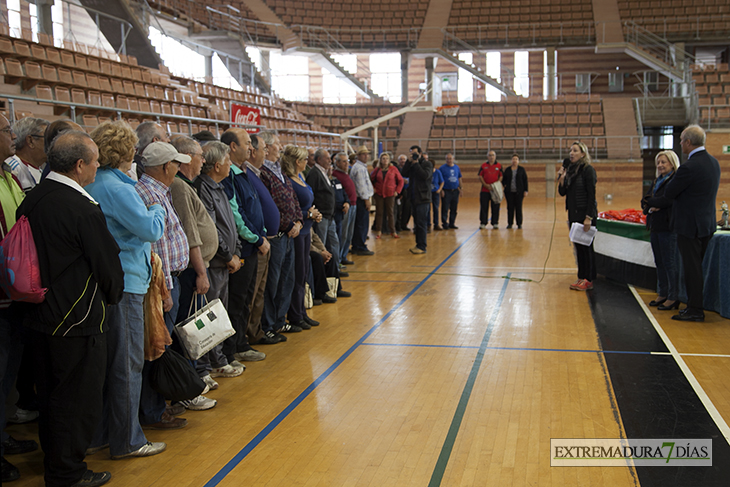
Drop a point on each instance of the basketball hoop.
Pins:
(447, 110)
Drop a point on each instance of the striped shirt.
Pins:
(275, 167)
(173, 247)
(361, 177)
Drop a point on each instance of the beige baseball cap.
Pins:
(159, 153)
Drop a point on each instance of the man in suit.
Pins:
(693, 191)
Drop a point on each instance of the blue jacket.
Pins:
(249, 217)
(131, 223)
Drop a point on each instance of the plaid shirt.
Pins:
(361, 177)
(285, 198)
(275, 167)
(172, 247)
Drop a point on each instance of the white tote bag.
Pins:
(497, 193)
(203, 330)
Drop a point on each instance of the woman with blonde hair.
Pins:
(293, 162)
(134, 226)
(577, 182)
(663, 239)
(387, 184)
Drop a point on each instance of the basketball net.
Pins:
(447, 110)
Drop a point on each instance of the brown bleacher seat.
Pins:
(92, 81)
(90, 121)
(65, 76)
(62, 94)
(104, 84)
(49, 73)
(22, 49)
(94, 98)
(78, 96)
(32, 70)
(81, 62)
(13, 68)
(144, 106)
(107, 100)
(44, 92)
(6, 46)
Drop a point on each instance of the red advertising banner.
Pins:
(246, 115)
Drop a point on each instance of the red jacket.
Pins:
(388, 184)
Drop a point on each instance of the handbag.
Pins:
(333, 283)
(308, 299)
(497, 192)
(205, 329)
(172, 376)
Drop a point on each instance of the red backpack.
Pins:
(20, 274)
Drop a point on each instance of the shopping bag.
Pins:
(205, 329)
(333, 283)
(497, 192)
(308, 299)
(172, 376)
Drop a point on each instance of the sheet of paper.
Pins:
(577, 235)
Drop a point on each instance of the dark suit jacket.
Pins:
(693, 191)
(521, 179)
(324, 192)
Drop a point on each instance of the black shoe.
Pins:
(436, 227)
(93, 479)
(289, 328)
(428, 230)
(343, 294)
(346, 262)
(519, 227)
(270, 338)
(363, 252)
(302, 324)
(453, 227)
(344, 274)
(310, 321)
(689, 314)
(657, 302)
(9, 471)
(16, 447)
(327, 299)
(316, 302)
(664, 307)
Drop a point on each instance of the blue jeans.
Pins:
(279, 285)
(327, 233)
(348, 227)
(362, 219)
(449, 207)
(152, 403)
(120, 426)
(420, 215)
(11, 348)
(664, 246)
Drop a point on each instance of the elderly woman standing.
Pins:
(663, 240)
(134, 226)
(387, 184)
(577, 182)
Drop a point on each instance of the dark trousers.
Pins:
(485, 202)
(302, 243)
(320, 273)
(514, 207)
(693, 251)
(384, 215)
(11, 348)
(361, 226)
(70, 379)
(435, 203)
(405, 212)
(241, 286)
(586, 261)
(664, 247)
(420, 217)
(449, 207)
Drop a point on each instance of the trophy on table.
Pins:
(724, 219)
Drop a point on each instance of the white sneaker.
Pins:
(227, 371)
(210, 384)
(200, 403)
(249, 356)
(236, 364)
(23, 416)
(482, 227)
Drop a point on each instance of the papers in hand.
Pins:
(577, 235)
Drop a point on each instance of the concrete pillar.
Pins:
(405, 61)
(45, 21)
(430, 66)
(209, 68)
(552, 78)
(265, 67)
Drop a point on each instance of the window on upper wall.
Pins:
(465, 90)
(33, 10)
(522, 73)
(494, 70)
(57, 19)
(334, 88)
(14, 18)
(290, 76)
(385, 79)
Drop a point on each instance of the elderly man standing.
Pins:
(251, 232)
(450, 192)
(161, 163)
(420, 171)
(693, 190)
(147, 132)
(280, 282)
(360, 175)
(324, 200)
(348, 210)
(79, 264)
(30, 154)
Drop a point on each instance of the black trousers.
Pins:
(485, 202)
(70, 375)
(405, 213)
(693, 251)
(514, 207)
(241, 286)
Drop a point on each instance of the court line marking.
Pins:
(706, 401)
(518, 349)
(256, 440)
(443, 458)
(715, 355)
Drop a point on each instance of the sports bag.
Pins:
(20, 274)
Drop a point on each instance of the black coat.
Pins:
(78, 260)
(657, 221)
(324, 192)
(420, 174)
(580, 196)
(693, 190)
(521, 177)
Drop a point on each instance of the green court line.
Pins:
(443, 459)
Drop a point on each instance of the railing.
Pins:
(714, 116)
(386, 39)
(495, 36)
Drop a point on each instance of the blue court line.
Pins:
(443, 458)
(506, 348)
(238, 458)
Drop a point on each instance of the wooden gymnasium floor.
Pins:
(454, 368)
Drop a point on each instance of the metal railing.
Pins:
(710, 119)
